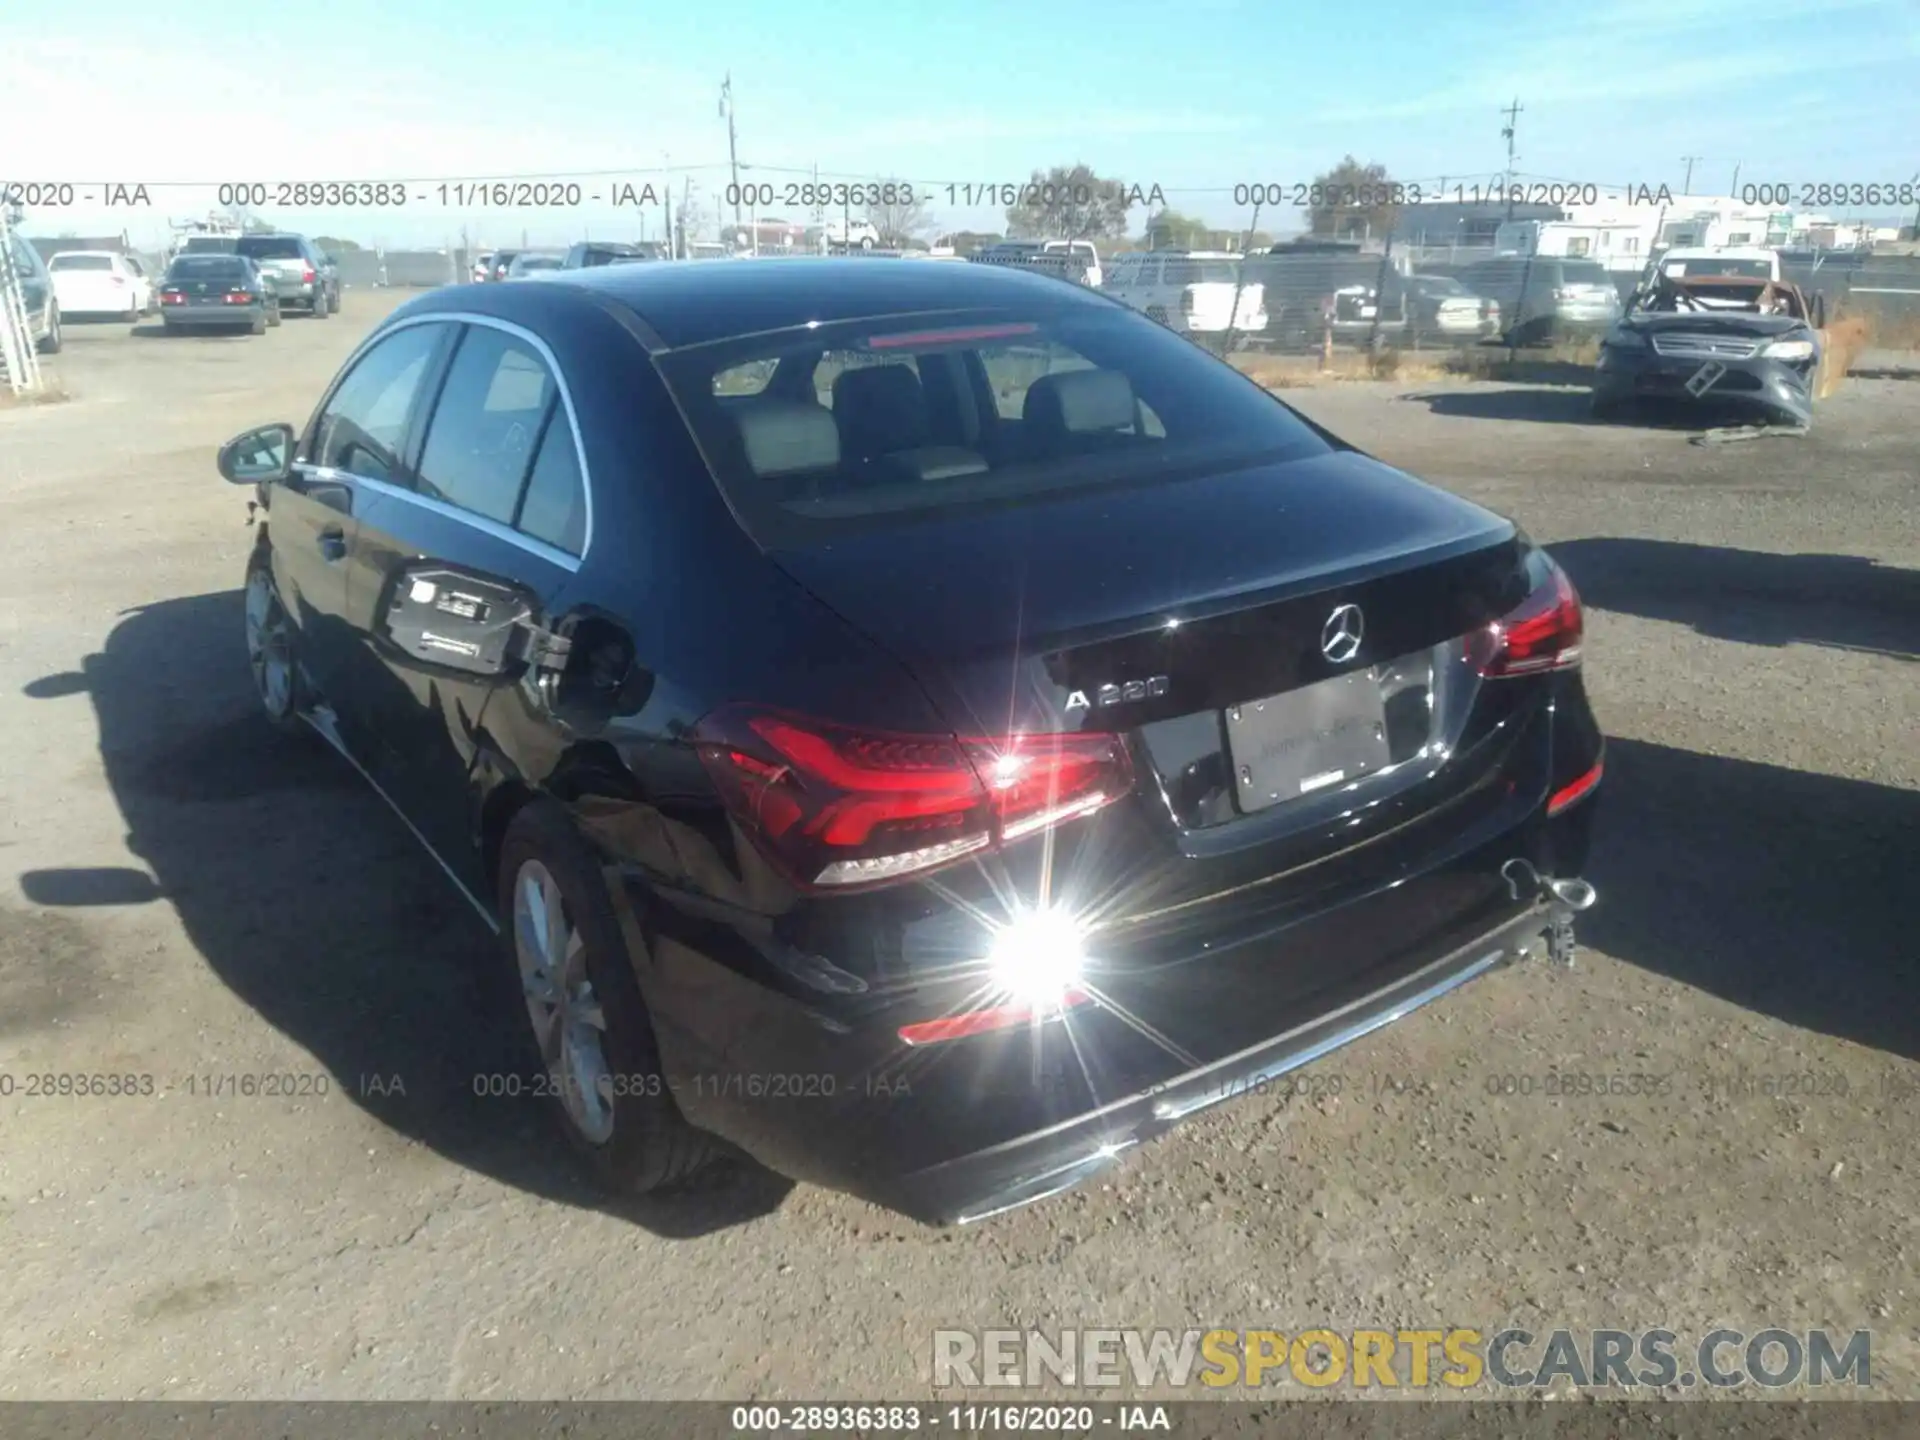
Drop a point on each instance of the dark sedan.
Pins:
(926, 726)
(218, 292)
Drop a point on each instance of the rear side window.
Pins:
(365, 421)
(80, 262)
(554, 509)
(481, 441)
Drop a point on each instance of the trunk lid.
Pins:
(1157, 612)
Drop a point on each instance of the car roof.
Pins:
(693, 304)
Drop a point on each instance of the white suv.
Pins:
(853, 234)
(1193, 291)
(100, 282)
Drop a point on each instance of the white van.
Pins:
(1188, 290)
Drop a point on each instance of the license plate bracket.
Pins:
(1307, 740)
(1705, 378)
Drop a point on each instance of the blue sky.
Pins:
(1195, 96)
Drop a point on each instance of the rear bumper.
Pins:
(954, 1132)
(1038, 1166)
(183, 317)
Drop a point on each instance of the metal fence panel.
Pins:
(406, 269)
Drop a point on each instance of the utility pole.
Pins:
(1686, 185)
(666, 204)
(1512, 112)
(1735, 191)
(733, 149)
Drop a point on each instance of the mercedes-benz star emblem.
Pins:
(1340, 636)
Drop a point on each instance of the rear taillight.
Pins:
(306, 276)
(835, 806)
(172, 297)
(239, 297)
(1544, 633)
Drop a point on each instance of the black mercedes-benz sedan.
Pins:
(926, 727)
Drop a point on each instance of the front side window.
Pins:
(364, 424)
(486, 424)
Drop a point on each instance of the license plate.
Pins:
(1705, 378)
(1307, 740)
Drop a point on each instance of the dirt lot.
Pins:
(187, 896)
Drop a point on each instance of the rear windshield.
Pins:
(211, 244)
(208, 267)
(600, 256)
(270, 247)
(80, 262)
(1583, 272)
(1718, 265)
(1201, 272)
(812, 433)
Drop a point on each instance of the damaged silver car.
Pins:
(1714, 341)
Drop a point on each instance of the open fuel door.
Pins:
(478, 627)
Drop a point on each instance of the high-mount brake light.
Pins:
(837, 806)
(957, 335)
(1543, 633)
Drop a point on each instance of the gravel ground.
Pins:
(184, 895)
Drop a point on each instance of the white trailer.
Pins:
(1622, 246)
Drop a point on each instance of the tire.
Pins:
(51, 345)
(273, 653)
(631, 1136)
(274, 317)
(132, 317)
(320, 309)
(259, 325)
(866, 244)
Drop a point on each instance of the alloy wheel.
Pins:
(269, 645)
(569, 1023)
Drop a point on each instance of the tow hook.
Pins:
(1564, 897)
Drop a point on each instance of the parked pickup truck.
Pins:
(303, 276)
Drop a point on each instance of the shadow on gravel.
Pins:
(1573, 407)
(1780, 891)
(308, 898)
(1752, 596)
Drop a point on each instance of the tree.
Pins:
(334, 246)
(1068, 202)
(1355, 201)
(901, 218)
(1171, 230)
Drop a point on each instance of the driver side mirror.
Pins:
(256, 457)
